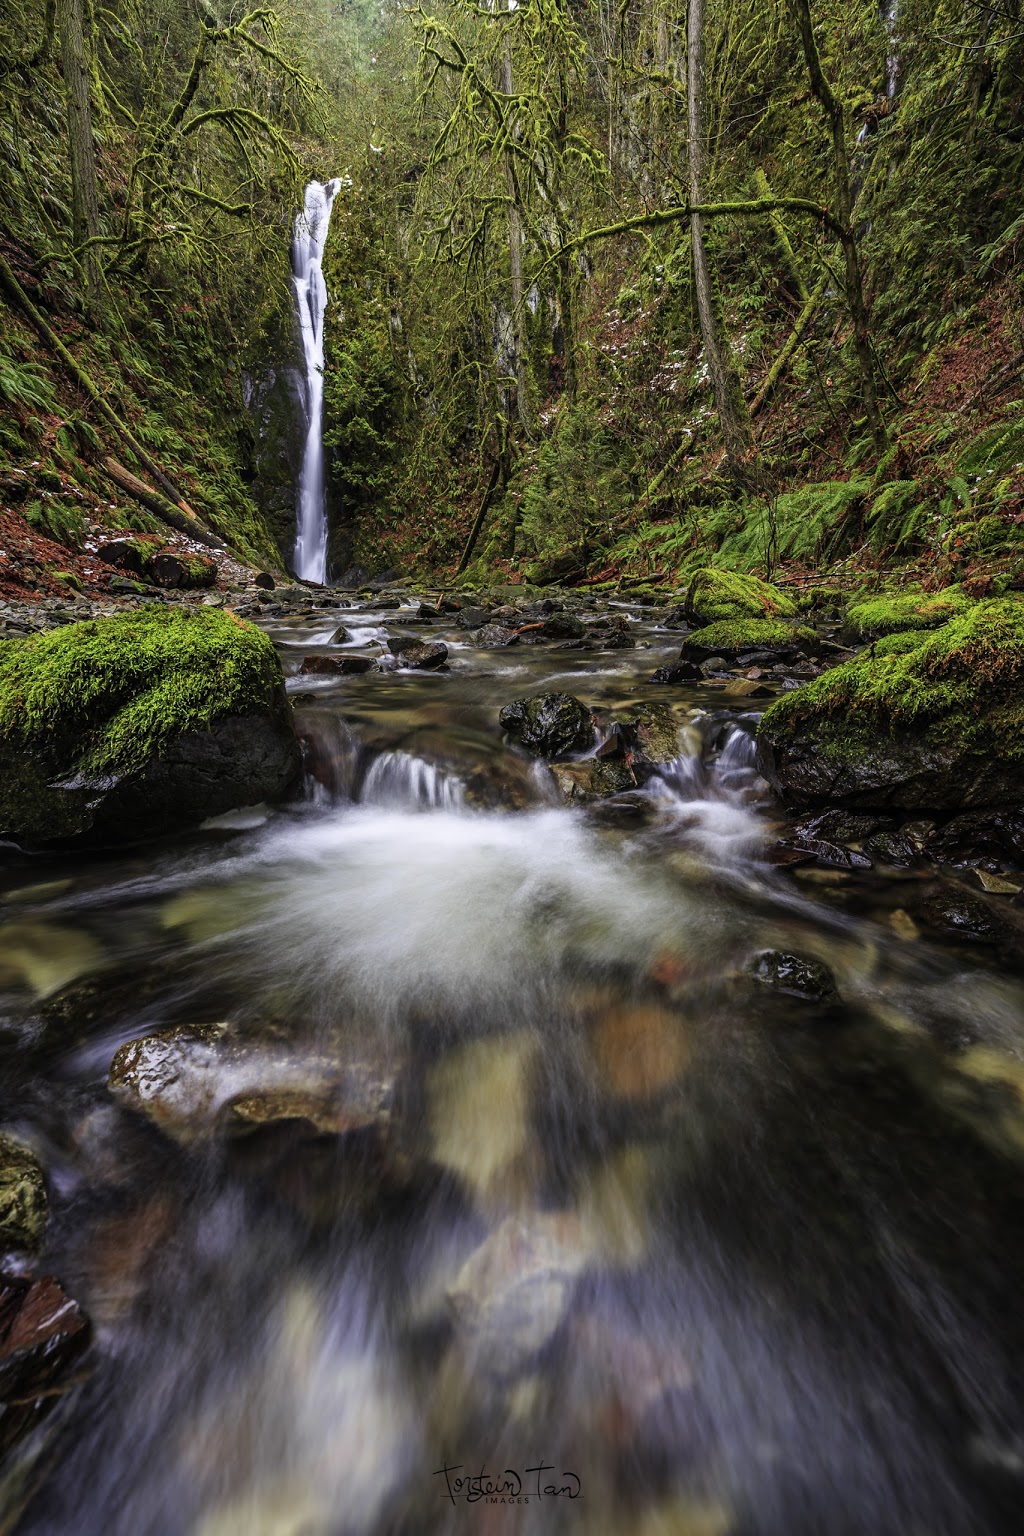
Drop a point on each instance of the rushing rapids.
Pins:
(430, 1155)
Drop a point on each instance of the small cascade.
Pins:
(717, 799)
(311, 228)
(889, 12)
(402, 781)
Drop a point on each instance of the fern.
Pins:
(25, 384)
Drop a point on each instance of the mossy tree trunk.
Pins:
(520, 339)
(732, 412)
(835, 116)
(85, 197)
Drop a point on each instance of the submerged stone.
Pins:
(43, 1334)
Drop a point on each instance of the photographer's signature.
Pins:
(508, 1486)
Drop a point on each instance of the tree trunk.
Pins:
(85, 198)
(732, 412)
(836, 119)
(520, 339)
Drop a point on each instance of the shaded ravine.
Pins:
(586, 1191)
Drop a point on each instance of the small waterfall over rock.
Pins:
(311, 228)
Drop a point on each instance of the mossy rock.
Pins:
(715, 595)
(116, 730)
(23, 1203)
(926, 721)
(732, 637)
(890, 613)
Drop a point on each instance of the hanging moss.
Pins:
(106, 694)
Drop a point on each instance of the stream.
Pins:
(492, 1187)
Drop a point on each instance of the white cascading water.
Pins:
(311, 228)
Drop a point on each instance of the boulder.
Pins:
(494, 637)
(794, 976)
(423, 655)
(549, 725)
(737, 637)
(715, 595)
(23, 1203)
(593, 779)
(115, 730)
(131, 553)
(890, 613)
(174, 568)
(327, 666)
(678, 672)
(929, 721)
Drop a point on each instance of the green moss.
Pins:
(887, 613)
(105, 694)
(747, 635)
(964, 683)
(716, 595)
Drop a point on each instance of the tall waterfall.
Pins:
(311, 228)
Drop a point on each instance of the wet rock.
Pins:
(265, 580)
(593, 779)
(652, 731)
(340, 635)
(960, 915)
(495, 636)
(549, 725)
(472, 618)
(891, 848)
(794, 976)
(43, 1335)
(23, 1204)
(422, 655)
(839, 826)
(563, 626)
(746, 688)
(678, 672)
(713, 666)
(339, 665)
(512, 1295)
(195, 1082)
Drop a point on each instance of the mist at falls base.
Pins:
(311, 227)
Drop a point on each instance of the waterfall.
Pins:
(311, 228)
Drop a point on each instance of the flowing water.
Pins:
(311, 227)
(584, 1212)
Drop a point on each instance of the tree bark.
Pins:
(520, 339)
(84, 194)
(835, 116)
(732, 412)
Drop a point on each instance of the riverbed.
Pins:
(503, 1181)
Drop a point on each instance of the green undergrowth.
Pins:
(104, 695)
(964, 681)
(747, 635)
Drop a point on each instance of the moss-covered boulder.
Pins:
(119, 729)
(733, 637)
(713, 596)
(891, 613)
(549, 725)
(927, 721)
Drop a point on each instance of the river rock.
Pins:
(494, 637)
(43, 1335)
(340, 666)
(549, 725)
(115, 729)
(471, 618)
(715, 595)
(197, 1081)
(514, 1292)
(423, 655)
(593, 779)
(23, 1204)
(640, 1049)
(794, 976)
(930, 721)
(678, 672)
